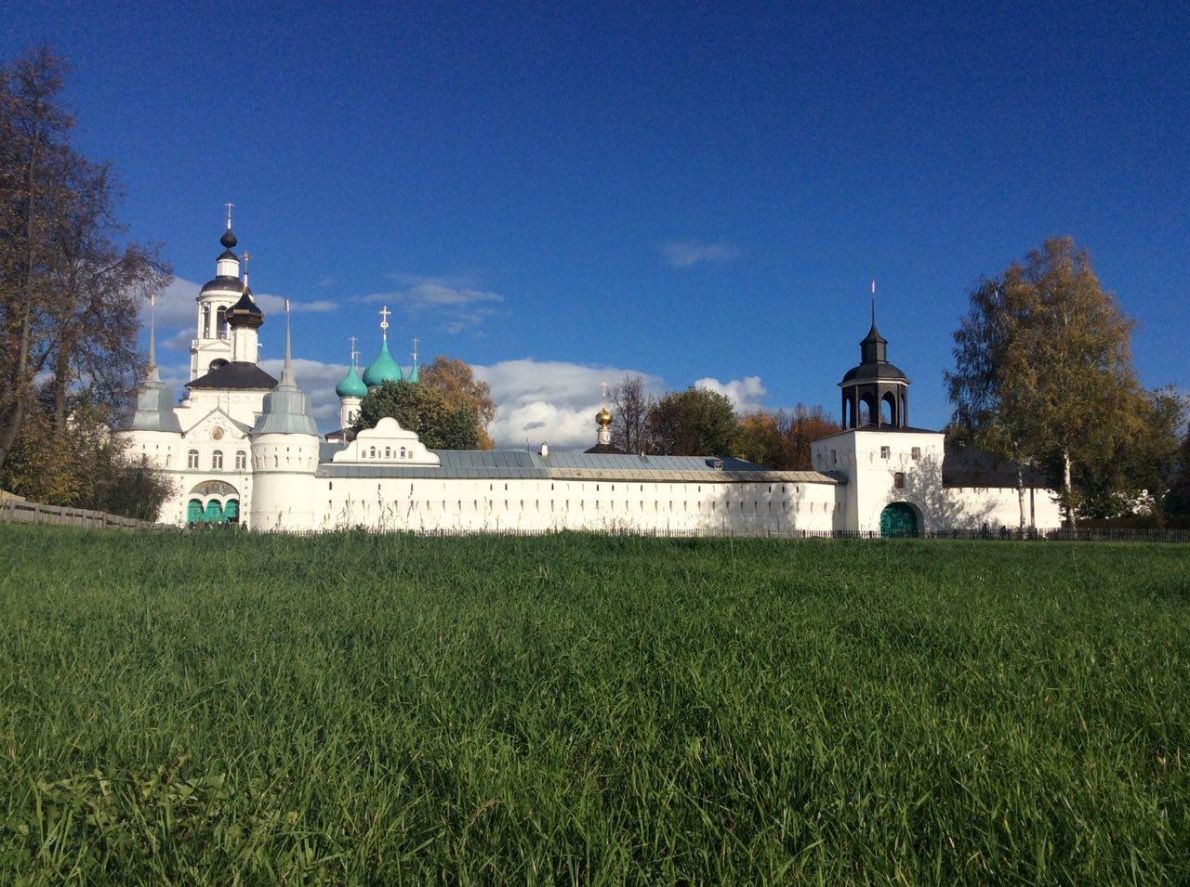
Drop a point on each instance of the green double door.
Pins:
(898, 519)
(213, 513)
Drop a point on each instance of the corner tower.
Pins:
(875, 393)
(284, 456)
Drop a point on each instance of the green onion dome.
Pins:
(351, 385)
(382, 369)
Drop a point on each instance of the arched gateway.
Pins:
(213, 502)
(898, 519)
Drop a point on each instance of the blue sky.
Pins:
(560, 193)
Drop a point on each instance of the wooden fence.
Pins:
(14, 510)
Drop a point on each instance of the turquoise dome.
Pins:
(382, 369)
(351, 385)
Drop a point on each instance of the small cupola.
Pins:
(875, 393)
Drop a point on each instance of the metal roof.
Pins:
(238, 375)
(518, 464)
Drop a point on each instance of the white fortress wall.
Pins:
(541, 505)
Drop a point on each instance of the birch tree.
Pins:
(1043, 367)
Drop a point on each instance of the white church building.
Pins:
(242, 448)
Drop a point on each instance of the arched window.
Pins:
(221, 321)
(206, 321)
(372, 453)
(217, 459)
(192, 459)
(388, 453)
(867, 410)
(402, 452)
(888, 409)
(241, 460)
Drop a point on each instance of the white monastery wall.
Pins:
(973, 507)
(539, 505)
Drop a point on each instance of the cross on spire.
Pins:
(604, 386)
(229, 206)
(384, 313)
(873, 301)
(354, 353)
(416, 340)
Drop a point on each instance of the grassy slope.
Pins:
(193, 706)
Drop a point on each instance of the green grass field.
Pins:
(213, 707)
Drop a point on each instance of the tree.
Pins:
(1176, 504)
(781, 441)
(694, 422)
(463, 394)
(1043, 371)
(68, 292)
(80, 466)
(1140, 469)
(760, 440)
(631, 404)
(801, 428)
(421, 409)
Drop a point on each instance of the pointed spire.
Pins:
(153, 375)
(287, 371)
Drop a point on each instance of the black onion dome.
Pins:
(245, 312)
(228, 239)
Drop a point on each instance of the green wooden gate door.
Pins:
(898, 519)
(194, 513)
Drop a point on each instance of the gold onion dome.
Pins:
(604, 417)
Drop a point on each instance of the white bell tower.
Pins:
(211, 346)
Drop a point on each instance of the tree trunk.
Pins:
(1068, 489)
(16, 415)
(1020, 493)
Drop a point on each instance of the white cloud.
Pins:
(550, 401)
(746, 394)
(457, 303)
(688, 253)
